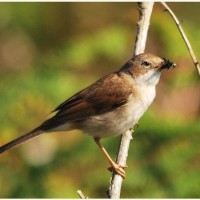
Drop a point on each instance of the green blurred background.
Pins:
(49, 51)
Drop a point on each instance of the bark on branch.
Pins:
(145, 10)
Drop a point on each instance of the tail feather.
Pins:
(21, 139)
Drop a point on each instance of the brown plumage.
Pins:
(108, 107)
(87, 103)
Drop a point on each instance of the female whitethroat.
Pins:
(108, 107)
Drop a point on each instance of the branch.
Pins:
(196, 63)
(145, 10)
(81, 195)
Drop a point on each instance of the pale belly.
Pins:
(111, 124)
(116, 122)
(119, 121)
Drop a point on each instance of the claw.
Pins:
(136, 125)
(119, 169)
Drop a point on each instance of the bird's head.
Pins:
(146, 68)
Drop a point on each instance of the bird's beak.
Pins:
(167, 64)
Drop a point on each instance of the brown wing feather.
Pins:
(101, 97)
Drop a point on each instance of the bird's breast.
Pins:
(146, 95)
(140, 101)
(121, 119)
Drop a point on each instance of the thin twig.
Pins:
(196, 63)
(145, 10)
(81, 195)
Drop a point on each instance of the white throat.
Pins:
(150, 78)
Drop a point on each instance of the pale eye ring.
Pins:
(146, 64)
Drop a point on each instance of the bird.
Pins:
(108, 107)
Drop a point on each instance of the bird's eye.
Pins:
(146, 64)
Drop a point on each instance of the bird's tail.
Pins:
(21, 139)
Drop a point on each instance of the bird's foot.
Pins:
(119, 169)
(133, 128)
(136, 125)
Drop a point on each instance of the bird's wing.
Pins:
(103, 96)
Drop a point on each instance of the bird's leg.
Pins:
(117, 168)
